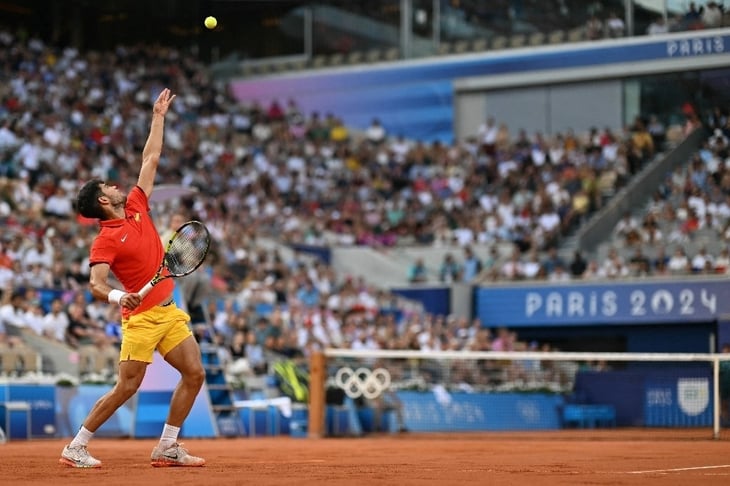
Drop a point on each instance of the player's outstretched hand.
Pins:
(163, 102)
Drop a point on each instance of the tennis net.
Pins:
(361, 391)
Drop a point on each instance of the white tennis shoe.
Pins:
(175, 455)
(78, 457)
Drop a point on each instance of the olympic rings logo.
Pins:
(362, 382)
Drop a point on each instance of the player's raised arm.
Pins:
(153, 146)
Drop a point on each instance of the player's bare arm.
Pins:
(100, 288)
(153, 146)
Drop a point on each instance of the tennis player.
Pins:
(129, 246)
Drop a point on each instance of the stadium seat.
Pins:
(7, 360)
(392, 54)
(87, 359)
(445, 48)
(588, 416)
(18, 360)
(355, 57)
(319, 61)
(576, 35)
(298, 65)
(373, 55)
(480, 44)
(461, 46)
(518, 40)
(336, 59)
(536, 39)
(556, 36)
(499, 42)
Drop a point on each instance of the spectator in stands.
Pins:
(615, 26)
(593, 271)
(614, 266)
(649, 233)
(55, 322)
(7, 277)
(679, 263)
(504, 341)
(375, 133)
(308, 294)
(34, 316)
(657, 130)
(491, 261)
(513, 268)
(658, 26)
(578, 265)
(642, 140)
(639, 264)
(722, 262)
(12, 311)
(594, 28)
(112, 326)
(559, 274)
(59, 204)
(692, 19)
(37, 276)
(702, 262)
(532, 268)
(552, 260)
(450, 271)
(417, 272)
(628, 229)
(472, 265)
(711, 15)
(81, 330)
(487, 134)
(40, 253)
(660, 261)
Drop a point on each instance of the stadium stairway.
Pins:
(220, 393)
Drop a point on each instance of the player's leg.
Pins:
(184, 356)
(140, 336)
(131, 374)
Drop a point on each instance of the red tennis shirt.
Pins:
(133, 250)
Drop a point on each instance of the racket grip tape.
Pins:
(146, 289)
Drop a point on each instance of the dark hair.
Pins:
(87, 201)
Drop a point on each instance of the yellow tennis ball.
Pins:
(210, 22)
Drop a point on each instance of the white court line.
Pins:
(678, 469)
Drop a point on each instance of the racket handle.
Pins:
(145, 290)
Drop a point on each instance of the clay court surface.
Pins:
(614, 457)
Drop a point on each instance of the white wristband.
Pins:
(115, 296)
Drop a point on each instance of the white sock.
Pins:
(169, 435)
(82, 437)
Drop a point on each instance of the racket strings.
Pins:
(187, 249)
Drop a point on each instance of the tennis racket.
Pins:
(184, 253)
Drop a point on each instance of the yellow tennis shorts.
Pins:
(160, 328)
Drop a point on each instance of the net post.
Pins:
(317, 378)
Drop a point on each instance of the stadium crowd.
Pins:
(67, 116)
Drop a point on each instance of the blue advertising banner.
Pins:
(42, 400)
(441, 411)
(618, 303)
(678, 402)
(435, 300)
(74, 404)
(418, 95)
